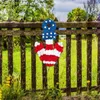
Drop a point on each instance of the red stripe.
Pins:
(49, 58)
(49, 65)
(58, 47)
(49, 47)
(39, 47)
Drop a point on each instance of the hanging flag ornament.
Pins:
(49, 53)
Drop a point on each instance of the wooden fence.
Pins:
(77, 28)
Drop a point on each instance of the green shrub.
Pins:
(12, 91)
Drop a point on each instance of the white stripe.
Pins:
(60, 44)
(49, 62)
(36, 44)
(41, 52)
(54, 52)
(49, 41)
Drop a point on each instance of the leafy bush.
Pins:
(11, 89)
(53, 94)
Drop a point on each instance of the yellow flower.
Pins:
(0, 95)
(57, 83)
(0, 91)
(88, 81)
(7, 82)
(8, 78)
(8, 85)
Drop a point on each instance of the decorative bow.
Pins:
(49, 53)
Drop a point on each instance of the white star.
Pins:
(42, 36)
(54, 37)
(48, 28)
(49, 20)
(45, 21)
(46, 36)
(44, 26)
(46, 33)
(50, 32)
(51, 36)
(54, 33)
(53, 25)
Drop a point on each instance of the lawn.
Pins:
(62, 67)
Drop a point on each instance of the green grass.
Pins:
(50, 70)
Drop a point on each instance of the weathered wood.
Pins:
(73, 89)
(0, 59)
(79, 64)
(33, 63)
(10, 55)
(68, 64)
(38, 32)
(89, 61)
(39, 24)
(98, 69)
(23, 62)
(44, 74)
(56, 70)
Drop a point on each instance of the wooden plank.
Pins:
(10, 55)
(68, 64)
(38, 32)
(39, 24)
(79, 64)
(89, 63)
(23, 62)
(74, 89)
(0, 59)
(98, 69)
(44, 74)
(56, 70)
(33, 63)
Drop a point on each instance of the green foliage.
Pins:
(53, 94)
(13, 91)
(77, 14)
(26, 10)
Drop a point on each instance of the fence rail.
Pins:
(33, 29)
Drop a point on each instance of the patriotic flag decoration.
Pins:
(50, 53)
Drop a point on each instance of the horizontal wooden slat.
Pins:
(39, 32)
(59, 24)
(74, 89)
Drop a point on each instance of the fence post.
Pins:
(23, 62)
(10, 53)
(33, 63)
(98, 69)
(56, 71)
(79, 64)
(89, 59)
(44, 73)
(0, 59)
(68, 64)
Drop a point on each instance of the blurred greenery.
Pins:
(77, 14)
(26, 10)
(90, 12)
